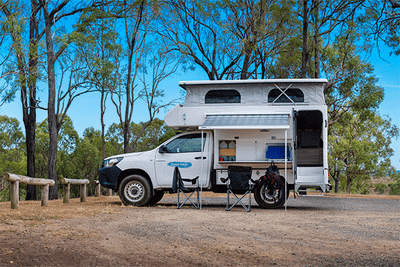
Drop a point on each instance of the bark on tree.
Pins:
(29, 107)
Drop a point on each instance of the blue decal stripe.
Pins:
(180, 164)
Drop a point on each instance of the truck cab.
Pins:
(256, 123)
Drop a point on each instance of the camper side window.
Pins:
(186, 144)
(288, 96)
(222, 96)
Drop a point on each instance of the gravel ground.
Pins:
(313, 231)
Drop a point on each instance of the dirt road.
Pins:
(329, 231)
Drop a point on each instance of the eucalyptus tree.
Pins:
(193, 28)
(133, 38)
(321, 22)
(360, 148)
(22, 25)
(56, 44)
(147, 63)
(99, 49)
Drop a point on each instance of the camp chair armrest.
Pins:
(193, 181)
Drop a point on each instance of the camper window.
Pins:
(222, 96)
(288, 96)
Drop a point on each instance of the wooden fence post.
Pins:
(83, 192)
(67, 189)
(97, 188)
(14, 194)
(109, 192)
(45, 195)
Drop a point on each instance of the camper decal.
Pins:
(180, 164)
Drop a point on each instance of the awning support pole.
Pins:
(285, 170)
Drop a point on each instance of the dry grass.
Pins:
(31, 212)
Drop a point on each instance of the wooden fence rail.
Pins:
(15, 179)
(67, 182)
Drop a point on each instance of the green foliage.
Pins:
(156, 133)
(12, 153)
(361, 148)
(394, 188)
(380, 188)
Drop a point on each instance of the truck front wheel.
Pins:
(158, 195)
(269, 198)
(134, 190)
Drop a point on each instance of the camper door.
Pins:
(309, 148)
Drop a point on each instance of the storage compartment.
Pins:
(276, 152)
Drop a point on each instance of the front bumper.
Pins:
(108, 177)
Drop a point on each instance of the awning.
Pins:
(246, 121)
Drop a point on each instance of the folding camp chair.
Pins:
(238, 182)
(179, 187)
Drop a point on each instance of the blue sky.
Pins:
(84, 111)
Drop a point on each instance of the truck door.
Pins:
(185, 153)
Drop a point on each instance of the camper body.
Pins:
(255, 123)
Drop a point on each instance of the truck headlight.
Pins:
(111, 162)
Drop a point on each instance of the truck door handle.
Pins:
(199, 158)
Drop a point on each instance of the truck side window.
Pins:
(186, 144)
(222, 96)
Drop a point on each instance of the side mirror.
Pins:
(163, 149)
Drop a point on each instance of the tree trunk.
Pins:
(349, 180)
(29, 108)
(316, 41)
(51, 111)
(336, 178)
(305, 51)
(127, 136)
(30, 127)
(103, 125)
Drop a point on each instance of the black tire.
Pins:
(134, 190)
(158, 195)
(268, 199)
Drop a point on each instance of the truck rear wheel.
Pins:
(134, 190)
(268, 198)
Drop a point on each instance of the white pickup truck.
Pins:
(234, 123)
